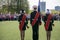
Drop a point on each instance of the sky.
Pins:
(50, 4)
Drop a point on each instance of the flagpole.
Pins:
(39, 6)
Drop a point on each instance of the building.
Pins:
(42, 6)
(57, 8)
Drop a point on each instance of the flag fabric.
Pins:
(39, 6)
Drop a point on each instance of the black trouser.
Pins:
(35, 29)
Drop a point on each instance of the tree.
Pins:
(16, 5)
(26, 6)
(22, 4)
(13, 5)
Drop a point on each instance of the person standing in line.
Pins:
(23, 21)
(35, 21)
(48, 23)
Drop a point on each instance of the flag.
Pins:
(39, 6)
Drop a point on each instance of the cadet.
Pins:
(48, 22)
(35, 21)
(23, 21)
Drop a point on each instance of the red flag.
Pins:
(22, 22)
(36, 17)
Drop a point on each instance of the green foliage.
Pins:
(54, 11)
(23, 4)
(4, 9)
(15, 6)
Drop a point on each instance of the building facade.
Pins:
(57, 8)
(42, 6)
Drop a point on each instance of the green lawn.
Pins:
(9, 31)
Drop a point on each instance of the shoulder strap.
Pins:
(22, 22)
(48, 22)
(36, 17)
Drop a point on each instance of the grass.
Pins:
(9, 31)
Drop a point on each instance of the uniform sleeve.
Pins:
(19, 18)
(52, 20)
(26, 20)
(30, 18)
(44, 19)
(39, 19)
